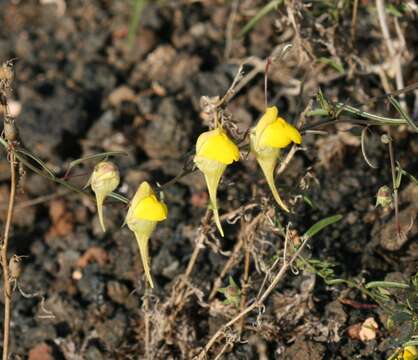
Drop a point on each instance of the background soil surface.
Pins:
(81, 89)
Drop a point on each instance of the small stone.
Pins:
(121, 94)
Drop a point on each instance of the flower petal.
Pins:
(215, 145)
(151, 209)
(275, 135)
(280, 134)
(293, 133)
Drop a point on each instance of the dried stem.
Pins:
(394, 54)
(354, 22)
(232, 259)
(248, 232)
(7, 288)
(394, 184)
(256, 304)
(266, 72)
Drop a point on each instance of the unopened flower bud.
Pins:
(103, 181)
(385, 139)
(384, 197)
(15, 267)
(10, 131)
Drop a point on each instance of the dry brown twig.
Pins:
(10, 134)
(257, 304)
(394, 54)
(7, 288)
(247, 233)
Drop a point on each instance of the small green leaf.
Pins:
(391, 9)
(36, 159)
(402, 112)
(137, 8)
(232, 293)
(411, 343)
(308, 201)
(336, 64)
(263, 12)
(386, 285)
(320, 225)
(336, 282)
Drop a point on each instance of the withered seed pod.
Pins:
(15, 267)
(10, 131)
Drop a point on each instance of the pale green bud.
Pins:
(103, 181)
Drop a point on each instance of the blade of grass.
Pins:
(263, 12)
(320, 225)
(386, 285)
(137, 8)
(402, 112)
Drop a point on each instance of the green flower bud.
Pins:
(103, 181)
(384, 197)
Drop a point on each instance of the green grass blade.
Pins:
(263, 12)
(402, 112)
(386, 285)
(320, 225)
(137, 8)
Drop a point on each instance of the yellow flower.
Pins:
(103, 181)
(214, 151)
(144, 212)
(410, 353)
(267, 138)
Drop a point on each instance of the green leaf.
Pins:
(386, 285)
(263, 12)
(137, 8)
(391, 9)
(336, 281)
(411, 343)
(320, 225)
(36, 159)
(402, 112)
(308, 201)
(336, 64)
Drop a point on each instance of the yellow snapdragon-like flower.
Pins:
(214, 152)
(144, 212)
(267, 138)
(409, 353)
(103, 181)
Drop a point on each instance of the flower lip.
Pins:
(280, 134)
(150, 208)
(216, 145)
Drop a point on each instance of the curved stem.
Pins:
(21, 154)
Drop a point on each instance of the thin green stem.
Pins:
(375, 119)
(22, 154)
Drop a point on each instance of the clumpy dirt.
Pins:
(81, 89)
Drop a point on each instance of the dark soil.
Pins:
(83, 90)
